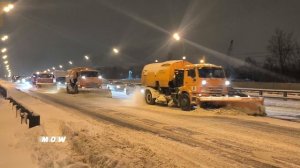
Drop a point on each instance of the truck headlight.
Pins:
(83, 77)
(227, 83)
(204, 82)
(100, 77)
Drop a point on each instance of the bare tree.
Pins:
(283, 48)
(250, 61)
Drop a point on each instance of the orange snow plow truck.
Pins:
(185, 85)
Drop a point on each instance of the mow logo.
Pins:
(52, 139)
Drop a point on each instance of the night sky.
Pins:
(46, 33)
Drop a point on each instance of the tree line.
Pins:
(281, 65)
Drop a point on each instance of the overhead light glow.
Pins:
(115, 50)
(8, 8)
(4, 38)
(176, 36)
(3, 50)
(4, 56)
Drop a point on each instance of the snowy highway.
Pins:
(223, 136)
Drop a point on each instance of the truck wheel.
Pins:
(72, 90)
(148, 98)
(185, 103)
(75, 89)
(68, 90)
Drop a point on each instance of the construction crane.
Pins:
(229, 69)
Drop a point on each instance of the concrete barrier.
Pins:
(25, 113)
(267, 85)
(3, 91)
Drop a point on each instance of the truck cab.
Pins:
(82, 78)
(206, 80)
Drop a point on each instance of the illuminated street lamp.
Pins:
(4, 38)
(116, 51)
(176, 36)
(156, 60)
(184, 57)
(86, 57)
(5, 62)
(202, 61)
(48, 70)
(60, 66)
(53, 68)
(70, 62)
(4, 56)
(3, 50)
(8, 8)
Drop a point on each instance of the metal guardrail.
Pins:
(272, 93)
(25, 114)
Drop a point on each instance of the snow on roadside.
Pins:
(91, 143)
(13, 151)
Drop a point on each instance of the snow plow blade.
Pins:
(249, 105)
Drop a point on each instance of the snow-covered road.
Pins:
(229, 136)
(275, 108)
(166, 136)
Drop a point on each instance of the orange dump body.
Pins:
(161, 72)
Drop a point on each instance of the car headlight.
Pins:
(23, 80)
(18, 81)
(142, 90)
(204, 82)
(118, 86)
(54, 80)
(227, 83)
(59, 83)
(100, 77)
(83, 77)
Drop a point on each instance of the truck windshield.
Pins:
(89, 73)
(45, 76)
(211, 73)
